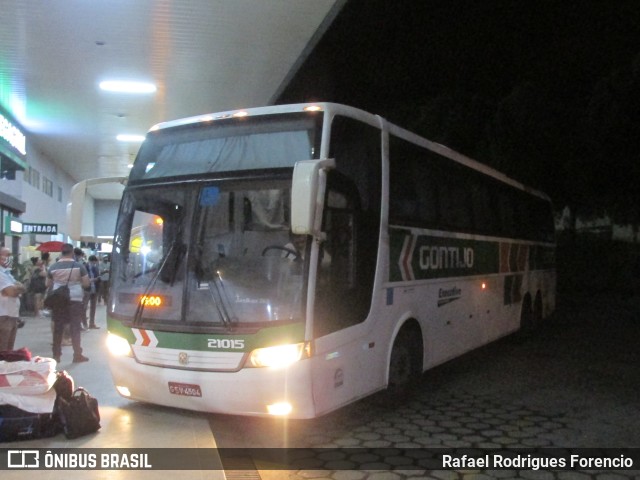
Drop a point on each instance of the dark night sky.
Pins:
(464, 60)
(406, 50)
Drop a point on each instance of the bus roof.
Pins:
(375, 120)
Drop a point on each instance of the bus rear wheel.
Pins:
(405, 364)
(537, 311)
(526, 319)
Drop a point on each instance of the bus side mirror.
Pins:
(307, 193)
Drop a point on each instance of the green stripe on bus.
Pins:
(419, 257)
(219, 342)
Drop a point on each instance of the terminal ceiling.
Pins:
(203, 56)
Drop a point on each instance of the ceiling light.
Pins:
(127, 87)
(130, 138)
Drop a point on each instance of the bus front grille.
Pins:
(188, 359)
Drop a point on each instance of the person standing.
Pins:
(79, 257)
(104, 279)
(38, 285)
(46, 261)
(94, 287)
(66, 271)
(10, 291)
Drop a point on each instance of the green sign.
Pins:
(12, 226)
(418, 257)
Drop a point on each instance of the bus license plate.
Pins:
(186, 389)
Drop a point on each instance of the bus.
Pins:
(410, 255)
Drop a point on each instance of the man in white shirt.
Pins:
(10, 291)
(66, 271)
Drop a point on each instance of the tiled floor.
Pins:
(125, 424)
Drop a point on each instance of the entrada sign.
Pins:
(47, 228)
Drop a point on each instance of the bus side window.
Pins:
(483, 217)
(505, 213)
(343, 297)
(340, 250)
(454, 203)
(426, 186)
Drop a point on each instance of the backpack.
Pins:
(60, 297)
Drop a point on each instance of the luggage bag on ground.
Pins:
(79, 415)
(18, 424)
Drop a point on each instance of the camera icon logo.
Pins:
(23, 459)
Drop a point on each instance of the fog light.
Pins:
(281, 408)
(124, 391)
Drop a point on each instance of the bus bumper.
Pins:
(249, 391)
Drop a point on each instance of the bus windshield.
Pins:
(215, 255)
(229, 145)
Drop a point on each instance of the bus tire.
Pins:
(526, 318)
(537, 310)
(405, 363)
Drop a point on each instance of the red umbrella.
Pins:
(53, 246)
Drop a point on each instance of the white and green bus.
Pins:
(412, 255)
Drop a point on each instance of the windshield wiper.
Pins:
(221, 299)
(137, 317)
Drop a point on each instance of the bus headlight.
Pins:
(279, 356)
(118, 346)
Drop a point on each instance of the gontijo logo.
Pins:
(439, 257)
(422, 256)
(416, 256)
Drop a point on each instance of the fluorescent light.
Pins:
(10, 133)
(127, 87)
(130, 138)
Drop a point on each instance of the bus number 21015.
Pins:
(226, 343)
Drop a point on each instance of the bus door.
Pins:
(342, 364)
